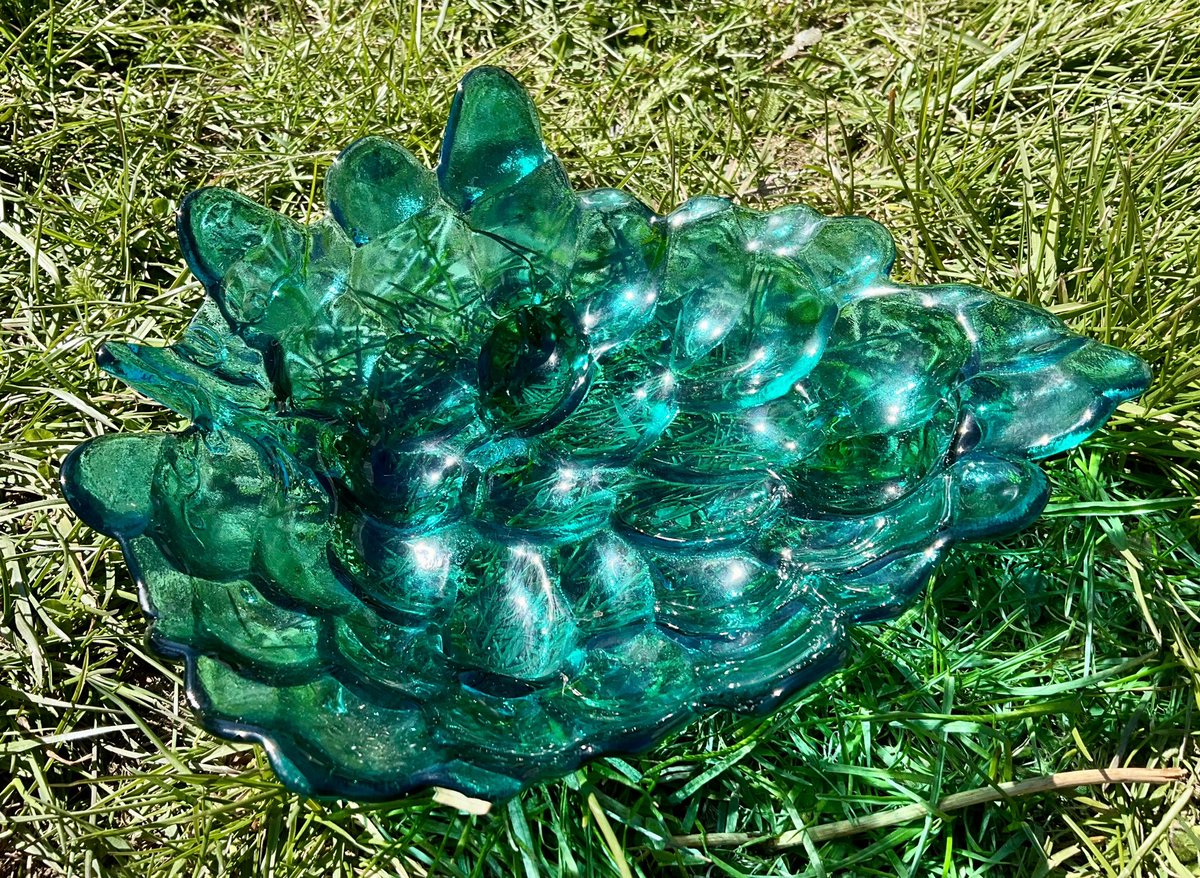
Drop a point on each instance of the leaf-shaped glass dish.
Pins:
(487, 477)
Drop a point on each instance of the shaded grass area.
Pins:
(1048, 151)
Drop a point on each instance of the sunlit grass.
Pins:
(1045, 150)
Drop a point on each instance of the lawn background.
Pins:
(1045, 150)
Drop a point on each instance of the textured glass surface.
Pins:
(488, 477)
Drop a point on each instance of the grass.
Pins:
(1046, 150)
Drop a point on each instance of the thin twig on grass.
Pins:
(952, 802)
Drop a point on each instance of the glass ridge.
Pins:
(487, 477)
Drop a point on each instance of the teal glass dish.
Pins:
(487, 478)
